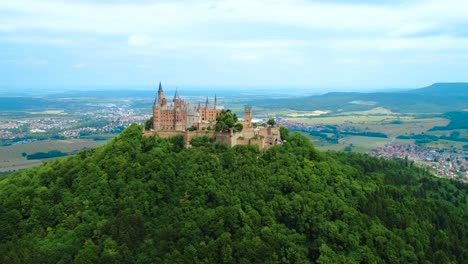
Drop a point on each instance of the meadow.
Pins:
(12, 157)
(379, 120)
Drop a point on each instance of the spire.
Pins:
(176, 95)
(206, 103)
(215, 102)
(160, 87)
(160, 97)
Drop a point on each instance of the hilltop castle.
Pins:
(183, 118)
(180, 115)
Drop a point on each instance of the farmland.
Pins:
(12, 157)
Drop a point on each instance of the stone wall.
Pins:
(266, 137)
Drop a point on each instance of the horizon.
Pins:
(25, 90)
(357, 45)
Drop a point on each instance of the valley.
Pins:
(366, 123)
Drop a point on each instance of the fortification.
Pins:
(183, 118)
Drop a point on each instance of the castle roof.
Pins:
(176, 95)
(160, 87)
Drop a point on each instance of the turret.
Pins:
(206, 103)
(176, 95)
(215, 102)
(160, 95)
(248, 116)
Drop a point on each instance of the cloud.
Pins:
(25, 61)
(139, 40)
(6, 28)
(79, 65)
(165, 16)
(420, 44)
(165, 28)
(244, 57)
(39, 40)
(299, 36)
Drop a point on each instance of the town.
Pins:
(450, 162)
(107, 120)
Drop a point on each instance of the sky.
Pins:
(337, 44)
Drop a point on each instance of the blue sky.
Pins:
(318, 44)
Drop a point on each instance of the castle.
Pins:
(180, 115)
(183, 118)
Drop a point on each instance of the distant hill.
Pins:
(149, 200)
(437, 98)
(444, 89)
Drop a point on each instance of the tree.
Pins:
(225, 121)
(284, 133)
(149, 124)
(455, 134)
(238, 127)
(271, 122)
(150, 200)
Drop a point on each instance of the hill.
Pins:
(437, 98)
(149, 200)
(444, 89)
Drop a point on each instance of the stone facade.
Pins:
(182, 118)
(180, 115)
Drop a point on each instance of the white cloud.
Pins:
(26, 61)
(244, 57)
(39, 40)
(6, 28)
(185, 16)
(139, 40)
(170, 28)
(431, 43)
(288, 35)
(79, 65)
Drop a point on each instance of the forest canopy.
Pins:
(150, 200)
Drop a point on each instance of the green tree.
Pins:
(150, 200)
(149, 124)
(271, 122)
(225, 121)
(284, 133)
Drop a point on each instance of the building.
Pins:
(183, 118)
(180, 115)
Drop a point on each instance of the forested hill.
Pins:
(149, 200)
(437, 98)
(444, 89)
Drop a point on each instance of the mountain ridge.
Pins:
(450, 88)
(432, 99)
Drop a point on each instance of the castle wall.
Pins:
(248, 133)
(207, 114)
(264, 140)
(190, 134)
(259, 142)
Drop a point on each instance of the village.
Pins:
(449, 162)
(109, 119)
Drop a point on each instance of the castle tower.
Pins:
(158, 102)
(215, 102)
(160, 94)
(176, 95)
(248, 116)
(206, 103)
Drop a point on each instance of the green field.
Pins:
(11, 157)
(379, 120)
(360, 144)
